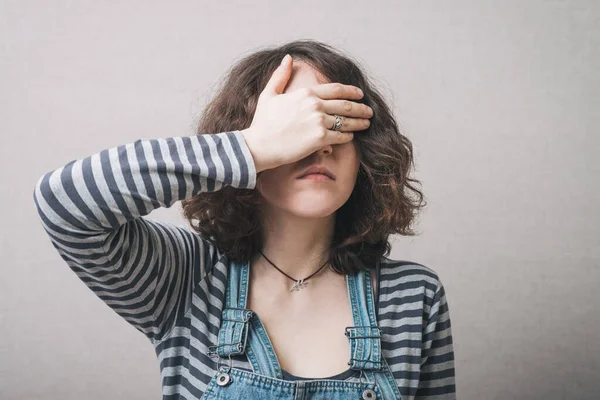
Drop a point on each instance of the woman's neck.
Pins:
(297, 246)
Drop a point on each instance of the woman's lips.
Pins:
(317, 177)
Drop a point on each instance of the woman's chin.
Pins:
(307, 203)
(313, 213)
(314, 206)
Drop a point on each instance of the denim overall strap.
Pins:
(365, 335)
(233, 333)
(260, 352)
(235, 337)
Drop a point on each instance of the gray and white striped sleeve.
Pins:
(437, 377)
(93, 212)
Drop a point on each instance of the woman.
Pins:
(292, 185)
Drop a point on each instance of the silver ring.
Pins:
(337, 125)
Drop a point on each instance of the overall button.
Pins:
(223, 379)
(369, 394)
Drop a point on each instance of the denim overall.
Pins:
(242, 332)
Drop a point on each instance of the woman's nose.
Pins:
(326, 149)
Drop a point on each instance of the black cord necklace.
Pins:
(298, 283)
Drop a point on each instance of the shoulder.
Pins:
(408, 284)
(395, 273)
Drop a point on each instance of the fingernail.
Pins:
(285, 59)
(360, 92)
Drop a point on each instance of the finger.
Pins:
(338, 137)
(280, 77)
(347, 108)
(348, 124)
(336, 90)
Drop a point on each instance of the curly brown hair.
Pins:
(380, 204)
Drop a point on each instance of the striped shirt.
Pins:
(169, 283)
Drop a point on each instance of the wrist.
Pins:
(250, 138)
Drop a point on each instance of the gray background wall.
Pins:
(500, 99)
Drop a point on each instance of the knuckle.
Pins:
(317, 104)
(306, 92)
(338, 89)
(314, 103)
(347, 105)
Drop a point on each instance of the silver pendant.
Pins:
(298, 285)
